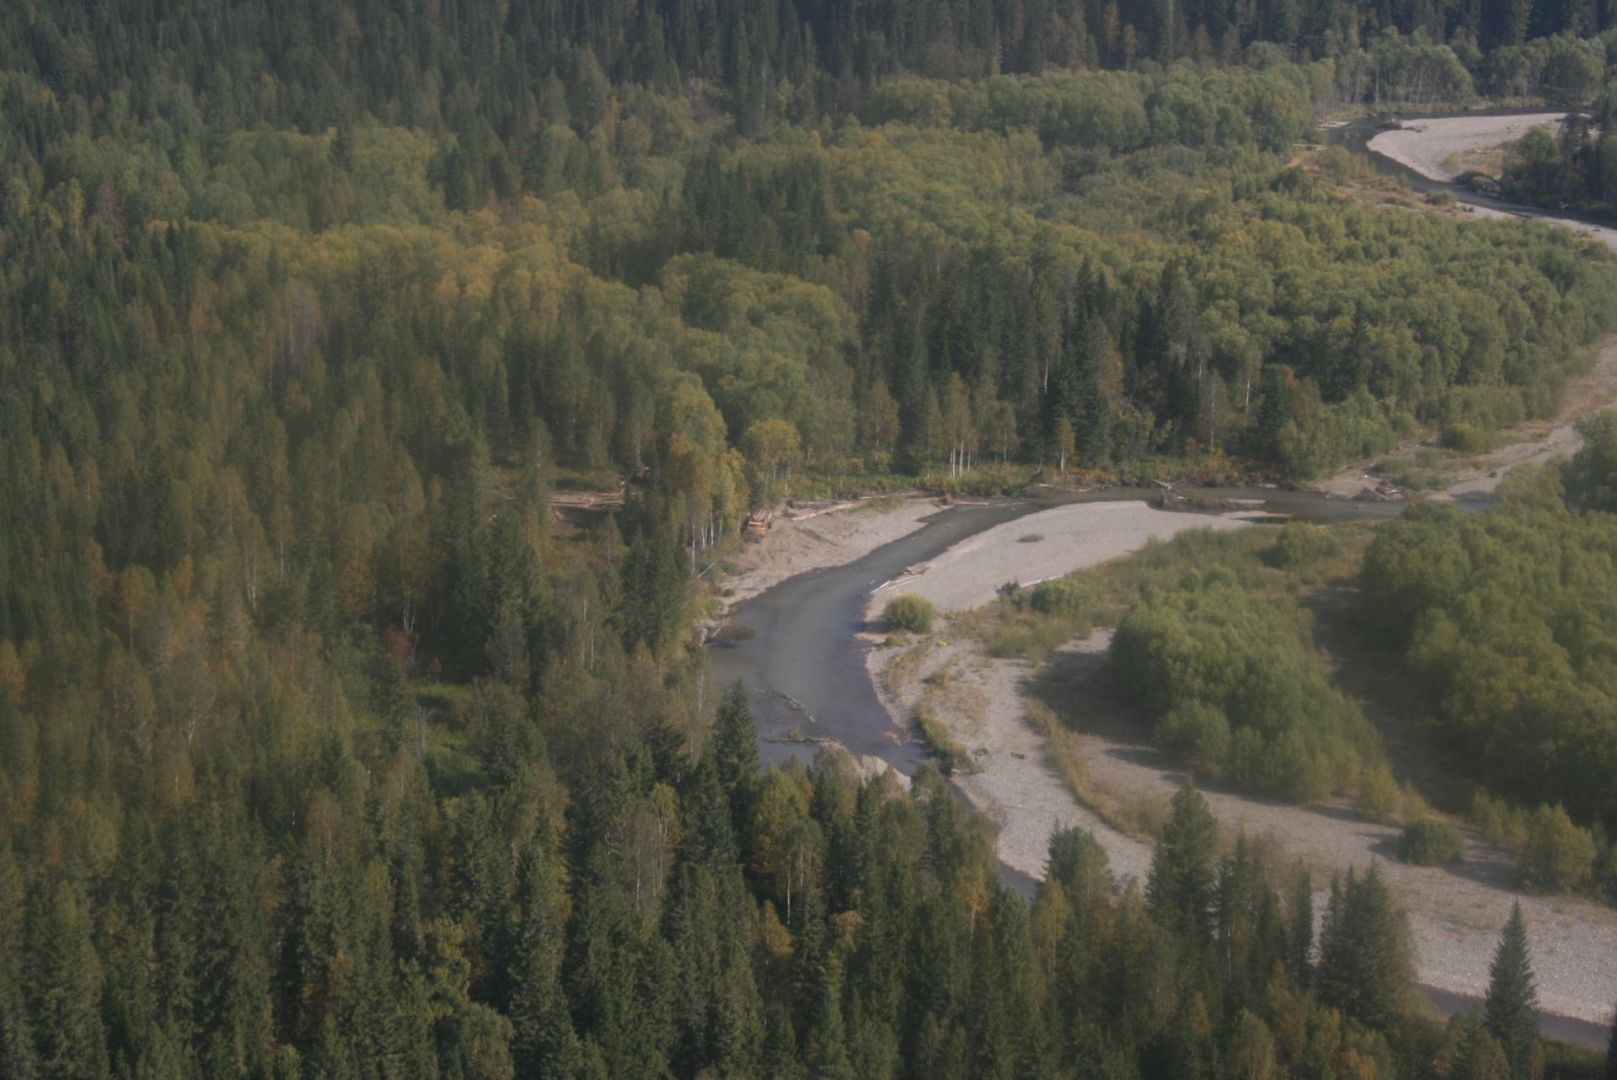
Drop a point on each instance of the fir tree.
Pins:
(1511, 1011)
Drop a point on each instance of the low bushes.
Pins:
(912, 613)
(1559, 856)
(1430, 843)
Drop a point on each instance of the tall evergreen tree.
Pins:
(543, 1041)
(1511, 1011)
(735, 750)
(1366, 965)
(66, 983)
(1181, 889)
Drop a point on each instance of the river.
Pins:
(804, 663)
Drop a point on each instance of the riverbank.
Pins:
(1047, 544)
(979, 700)
(821, 538)
(1445, 148)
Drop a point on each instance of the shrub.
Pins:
(1378, 794)
(1061, 597)
(1430, 843)
(1468, 439)
(1301, 544)
(954, 757)
(912, 613)
(1559, 856)
(1209, 648)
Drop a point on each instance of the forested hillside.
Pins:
(325, 750)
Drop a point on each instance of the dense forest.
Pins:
(327, 750)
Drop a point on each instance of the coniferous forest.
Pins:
(328, 750)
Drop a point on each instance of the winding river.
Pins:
(804, 664)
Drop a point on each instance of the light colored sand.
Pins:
(822, 538)
(1015, 786)
(969, 574)
(1455, 914)
(1446, 147)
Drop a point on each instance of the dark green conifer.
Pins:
(1181, 889)
(1511, 1011)
(1366, 967)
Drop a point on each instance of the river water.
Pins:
(804, 665)
(806, 670)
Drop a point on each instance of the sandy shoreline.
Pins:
(1014, 784)
(821, 538)
(1454, 914)
(1070, 538)
(1447, 147)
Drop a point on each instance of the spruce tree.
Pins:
(735, 752)
(1181, 889)
(1511, 1011)
(1365, 966)
(543, 1040)
(66, 980)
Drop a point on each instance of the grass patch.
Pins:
(1139, 815)
(1061, 745)
(903, 668)
(1030, 538)
(935, 733)
(1029, 637)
